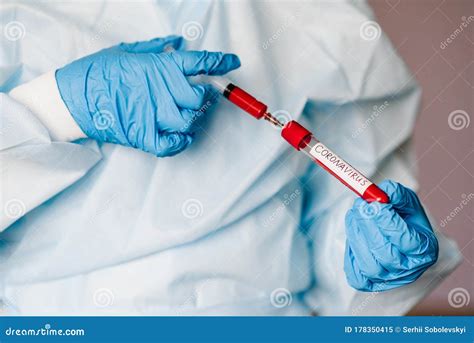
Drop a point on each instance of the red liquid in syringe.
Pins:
(302, 139)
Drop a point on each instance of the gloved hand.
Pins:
(137, 94)
(388, 245)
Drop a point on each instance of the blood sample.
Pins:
(303, 140)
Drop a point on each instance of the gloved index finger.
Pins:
(205, 62)
(185, 95)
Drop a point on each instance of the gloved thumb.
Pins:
(156, 45)
(205, 62)
(169, 143)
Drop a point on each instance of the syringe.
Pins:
(302, 139)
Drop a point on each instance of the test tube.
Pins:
(303, 140)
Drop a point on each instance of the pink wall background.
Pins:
(445, 155)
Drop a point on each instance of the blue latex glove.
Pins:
(388, 245)
(137, 94)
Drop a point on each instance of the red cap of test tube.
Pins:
(295, 134)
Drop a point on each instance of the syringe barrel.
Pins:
(302, 139)
(245, 101)
(236, 95)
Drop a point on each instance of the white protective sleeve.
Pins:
(34, 166)
(42, 97)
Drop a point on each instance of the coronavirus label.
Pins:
(340, 168)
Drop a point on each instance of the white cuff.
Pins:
(42, 97)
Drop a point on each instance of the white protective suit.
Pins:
(239, 220)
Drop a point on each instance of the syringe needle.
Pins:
(273, 120)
